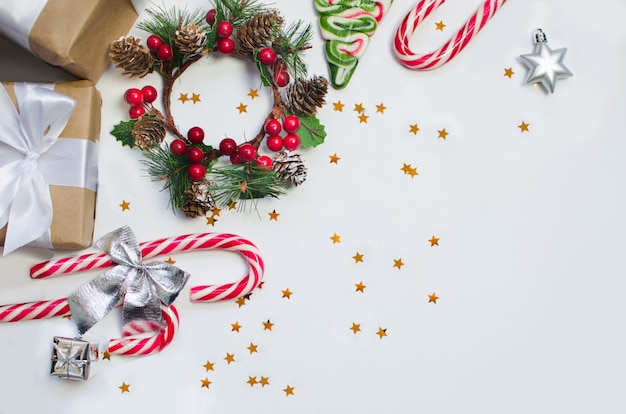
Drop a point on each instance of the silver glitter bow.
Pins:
(140, 287)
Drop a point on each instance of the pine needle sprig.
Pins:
(237, 11)
(162, 165)
(290, 43)
(236, 183)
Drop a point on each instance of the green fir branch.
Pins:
(290, 44)
(237, 11)
(233, 183)
(162, 165)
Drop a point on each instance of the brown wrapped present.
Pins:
(42, 177)
(72, 34)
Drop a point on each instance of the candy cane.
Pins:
(133, 342)
(166, 246)
(452, 47)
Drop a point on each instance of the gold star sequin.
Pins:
(363, 119)
(170, 261)
(433, 298)
(125, 205)
(412, 171)
(398, 263)
(242, 108)
(405, 168)
(252, 348)
(68, 317)
(358, 108)
(241, 301)
(235, 327)
(335, 238)
(267, 325)
(229, 358)
(205, 383)
(195, 98)
(381, 108)
(208, 366)
(288, 391)
(252, 381)
(356, 327)
(382, 332)
(360, 287)
(254, 93)
(124, 387)
(334, 159)
(287, 293)
(183, 98)
(523, 127)
(338, 106)
(216, 212)
(211, 221)
(232, 205)
(358, 257)
(274, 215)
(413, 129)
(106, 355)
(442, 133)
(508, 72)
(264, 381)
(439, 26)
(434, 241)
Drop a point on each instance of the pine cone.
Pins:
(305, 96)
(258, 30)
(148, 131)
(290, 167)
(191, 40)
(198, 201)
(134, 59)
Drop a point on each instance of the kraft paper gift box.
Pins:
(74, 35)
(69, 166)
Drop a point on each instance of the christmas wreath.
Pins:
(197, 181)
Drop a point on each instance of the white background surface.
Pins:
(529, 267)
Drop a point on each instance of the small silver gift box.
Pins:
(73, 358)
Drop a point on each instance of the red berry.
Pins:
(291, 124)
(136, 111)
(224, 29)
(264, 161)
(194, 154)
(275, 143)
(178, 147)
(196, 172)
(149, 93)
(291, 142)
(133, 97)
(234, 159)
(225, 46)
(272, 127)
(154, 42)
(267, 56)
(195, 135)
(281, 78)
(164, 52)
(210, 17)
(247, 152)
(228, 146)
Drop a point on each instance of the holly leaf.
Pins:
(266, 76)
(123, 132)
(311, 131)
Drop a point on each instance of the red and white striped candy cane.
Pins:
(167, 246)
(133, 342)
(449, 50)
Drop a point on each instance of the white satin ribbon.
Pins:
(32, 157)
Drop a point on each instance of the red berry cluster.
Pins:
(244, 153)
(291, 141)
(159, 49)
(225, 45)
(137, 98)
(192, 152)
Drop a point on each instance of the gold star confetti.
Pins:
(208, 366)
(106, 355)
(442, 133)
(381, 108)
(232, 205)
(523, 127)
(124, 387)
(125, 205)
(242, 108)
(433, 298)
(335, 238)
(264, 381)
(338, 106)
(434, 241)
(273, 215)
(358, 257)
(195, 98)
(211, 221)
(412, 171)
(334, 159)
(267, 326)
(260, 286)
(216, 212)
(287, 293)
(252, 381)
(235, 326)
(241, 301)
(381, 332)
(360, 287)
(229, 358)
(289, 390)
(413, 129)
(358, 108)
(363, 119)
(439, 26)
(508, 72)
(170, 261)
(205, 383)
(405, 168)
(252, 348)
(183, 98)
(398, 263)
(356, 327)
(254, 93)
(68, 317)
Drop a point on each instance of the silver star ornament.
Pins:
(545, 66)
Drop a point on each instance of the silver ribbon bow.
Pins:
(140, 287)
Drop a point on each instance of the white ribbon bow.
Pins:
(32, 157)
